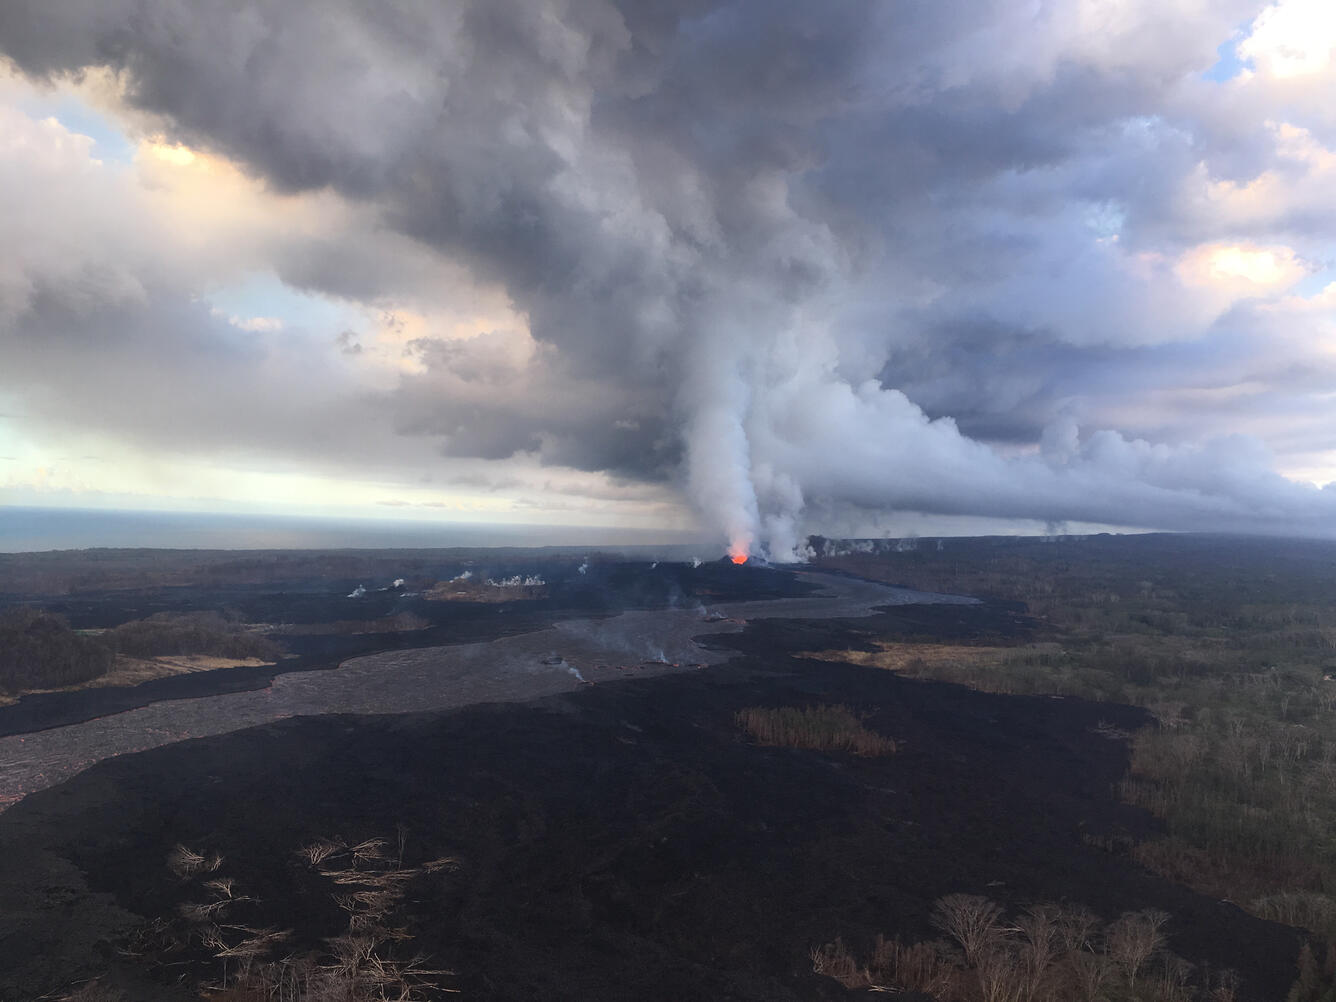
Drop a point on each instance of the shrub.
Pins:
(818, 728)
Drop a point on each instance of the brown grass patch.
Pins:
(127, 671)
(913, 658)
(818, 728)
(1028, 669)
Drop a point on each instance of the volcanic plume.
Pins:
(799, 267)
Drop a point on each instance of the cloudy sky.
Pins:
(762, 267)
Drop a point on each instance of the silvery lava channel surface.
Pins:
(525, 666)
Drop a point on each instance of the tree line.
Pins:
(40, 650)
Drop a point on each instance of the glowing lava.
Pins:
(738, 558)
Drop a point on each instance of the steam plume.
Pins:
(800, 265)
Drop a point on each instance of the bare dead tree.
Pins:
(1076, 928)
(370, 851)
(919, 967)
(358, 966)
(1038, 947)
(223, 886)
(1000, 975)
(444, 863)
(1091, 971)
(254, 944)
(835, 961)
(320, 850)
(971, 920)
(1174, 982)
(212, 937)
(1134, 938)
(185, 862)
(195, 911)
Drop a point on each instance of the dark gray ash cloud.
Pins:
(802, 260)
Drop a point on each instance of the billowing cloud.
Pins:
(1292, 38)
(791, 265)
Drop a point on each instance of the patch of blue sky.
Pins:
(264, 294)
(1105, 219)
(1229, 65)
(1314, 282)
(110, 144)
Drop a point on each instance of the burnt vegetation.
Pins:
(816, 728)
(369, 955)
(1045, 953)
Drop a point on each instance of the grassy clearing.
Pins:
(1011, 670)
(907, 658)
(126, 671)
(816, 728)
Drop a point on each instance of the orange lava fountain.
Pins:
(738, 557)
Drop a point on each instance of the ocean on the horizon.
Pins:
(27, 530)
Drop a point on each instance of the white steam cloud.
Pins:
(800, 265)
